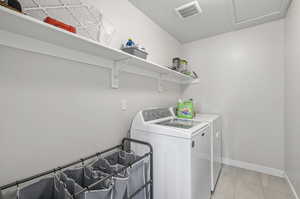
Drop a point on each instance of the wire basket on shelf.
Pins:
(88, 20)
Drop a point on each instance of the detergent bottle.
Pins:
(185, 109)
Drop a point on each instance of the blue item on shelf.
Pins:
(130, 43)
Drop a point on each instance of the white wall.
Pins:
(241, 78)
(54, 111)
(292, 94)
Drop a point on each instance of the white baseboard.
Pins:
(254, 167)
(291, 186)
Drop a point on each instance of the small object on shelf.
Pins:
(60, 24)
(15, 4)
(176, 63)
(188, 73)
(12, 4)
(194, 75)
(183, 66)
(130, 43)
(135, 51)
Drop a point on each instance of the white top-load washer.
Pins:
(181, 153)
(215, 125)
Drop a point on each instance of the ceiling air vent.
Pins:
(188, 10)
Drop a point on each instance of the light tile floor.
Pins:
(237, 183)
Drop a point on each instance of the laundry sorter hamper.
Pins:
(115, 173)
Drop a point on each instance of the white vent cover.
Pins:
(188, 10)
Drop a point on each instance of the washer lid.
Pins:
(179, 123)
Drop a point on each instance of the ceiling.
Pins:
(218, 16)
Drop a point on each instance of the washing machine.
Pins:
(181, 153)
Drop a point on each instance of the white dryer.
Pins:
(181, 153)
(215, 125)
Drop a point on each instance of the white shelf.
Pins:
(26, 33)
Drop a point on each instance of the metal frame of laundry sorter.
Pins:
(121, 146)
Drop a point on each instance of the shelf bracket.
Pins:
(115, 73)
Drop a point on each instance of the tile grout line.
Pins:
(235, 184)
(262, 186)
(291, 186)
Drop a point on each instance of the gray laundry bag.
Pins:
(70, 184)
(136, 173)
(10, 194)
(78, 178)
(120, 180)
(47, 188)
